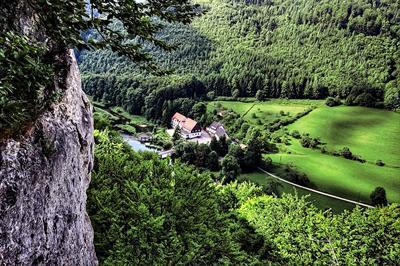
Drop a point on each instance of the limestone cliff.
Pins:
(43, 180)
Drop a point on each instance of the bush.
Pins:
(101, 121)
(167, 145)
(308, 142)
(236, 94)
(346, 153)
(266, 163)
(324, 149)
(378, 197)
(331, 102)
(296, 134)
(127, 129)
(294, 176)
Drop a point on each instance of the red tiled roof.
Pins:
(179, 117)
(189, 124)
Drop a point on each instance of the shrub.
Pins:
(378, 197)
(346, 153)
(266, 163)
(236, 94)
(305, 141)
(330, 101)
(101, 121)
(296, 134)
(324, 149)
(167, 145)
(308, 142)
(127, 128)
(294, 176)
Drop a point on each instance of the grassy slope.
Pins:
(342, 177)
(136, 119)
(266, 111)
(371, 133)
(318, 200)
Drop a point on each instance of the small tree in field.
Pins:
(378, 197)
(331, 102)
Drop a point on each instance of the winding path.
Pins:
(315, 191)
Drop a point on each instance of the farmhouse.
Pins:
(189, 128)
(216, 130)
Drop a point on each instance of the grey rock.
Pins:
(43, 180)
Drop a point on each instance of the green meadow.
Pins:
(339, 176)
(135, 119)
(373, 134)
(259, 113)
(318, 200)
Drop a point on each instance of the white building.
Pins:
(189, 128)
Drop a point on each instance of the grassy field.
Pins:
(373, 134)
(110, 116)
(259, 113)
(135, 119)
(342, 177)
(320, 201)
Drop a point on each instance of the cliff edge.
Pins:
(43, 180)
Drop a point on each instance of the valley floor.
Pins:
(372, 134)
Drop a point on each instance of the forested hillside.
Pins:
(145, 211)
(282, 48)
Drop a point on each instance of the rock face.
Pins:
(43, 181)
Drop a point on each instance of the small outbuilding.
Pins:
(145, 137)
(216, 130)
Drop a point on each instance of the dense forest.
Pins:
(146, 211)
(287, 49)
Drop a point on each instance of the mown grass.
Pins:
(261, 113)
(339, 176)
(135, 119)
(373, 134)
(318, 200)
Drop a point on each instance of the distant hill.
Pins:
(287, 49)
